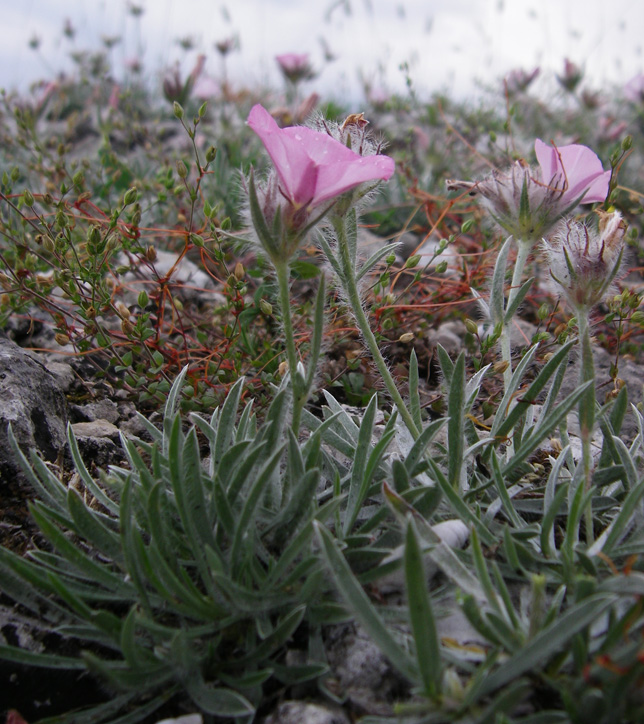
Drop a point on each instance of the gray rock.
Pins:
(100, 410)
(98, 442)
(33, 403)
(62, 371)
(302, 712)
(362, 672)
(96, 428)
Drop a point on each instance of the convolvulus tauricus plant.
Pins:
(527, 203)
(584, 263)
(314, 175)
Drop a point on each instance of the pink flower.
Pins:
(311, 165)
(574, 171)
(295, 66)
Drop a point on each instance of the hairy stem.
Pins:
(586, 412)
(523, 251)
(350, 285)
(284, 297)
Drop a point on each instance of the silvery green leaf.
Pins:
(455, 411)
(516, 301)
(226, 421)
(497, 296)
(421, 615)
(375, 258)
(358, 482)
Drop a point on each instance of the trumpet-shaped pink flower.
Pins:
(572, 170)
(313, 167)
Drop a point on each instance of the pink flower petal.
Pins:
(574, 168)
(312, 166)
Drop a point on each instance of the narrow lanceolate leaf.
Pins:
(330, 255)
(621, 524)
(375, 258)
(174, 396)
(446, 364)
(361, 606)
(245, 522)
(32, 658)
(217, 700)
(417, 452)
(87, 479)
(85, 565)
(317, 334)
(89, 524)
(455, 438)
(358, 483)
(227, 417)
(269, 242)
(414, 396)
(516, 302)
(504, 422)
(549, 641)
(52, 491)
(498, 282)
(421, 615)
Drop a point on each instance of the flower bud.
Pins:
(543, 312)
(177, 110)
(412, 261)
(151, 253)
(211, 153)
(122, 310)
(182, 169)
(266, 307)
(406, 337)
(471, 326)
(239, 271)
(131, 195)
(29, 198)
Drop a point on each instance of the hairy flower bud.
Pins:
(584, 262)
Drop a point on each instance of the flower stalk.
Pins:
(586, 413)
(349, 283)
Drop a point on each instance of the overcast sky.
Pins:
(445, 44)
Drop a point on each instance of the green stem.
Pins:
(351, 289)
(284, 298)
(523, 251)
(586, 412)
